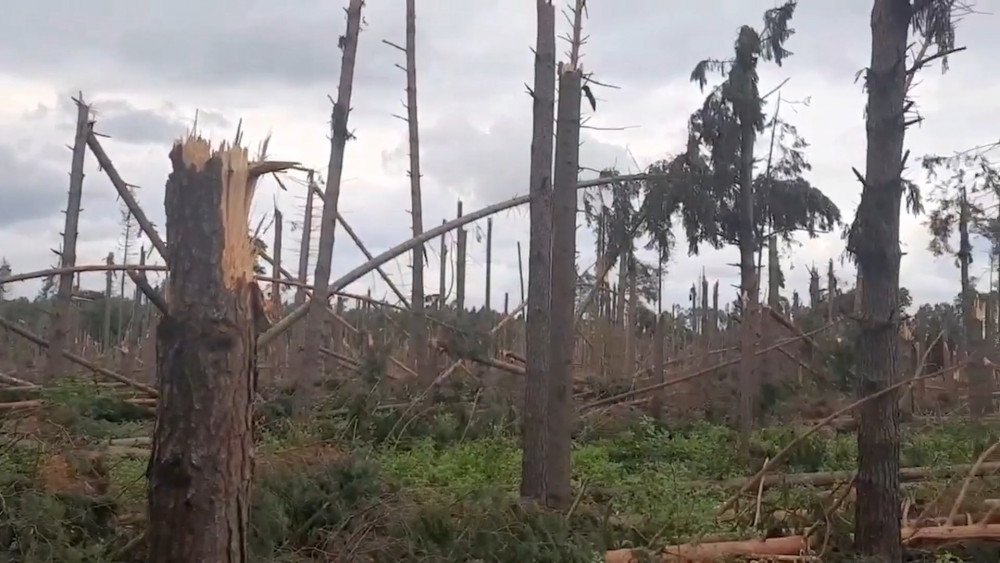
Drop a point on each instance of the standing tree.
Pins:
(957, 180)
(873, 239)
(311, 371)
(536, 433)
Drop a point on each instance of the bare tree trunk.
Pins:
(305, 243)
(715, 307)
(630, 324)
(831, 292)
(443, 281)
(705, 331)
(109, 282)
(622, 284)
(60, 321)
(563, 298)
(748, 289)
(875, 244)
(535, 428)
(659, 334)
(418, 322)
(460, 248)
(489, 261)
(201, 465)
(520, 270)
(973, 346)
(276, 262)
(311, 360)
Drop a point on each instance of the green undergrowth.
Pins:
(438, 484)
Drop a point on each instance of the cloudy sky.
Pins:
(146, 70)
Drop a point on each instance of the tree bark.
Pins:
(630, 321)
(972, 342)
(201, 464)
(520, 271)
(748, 290)
(60, 320)
(534, 432)
(310, 374)
(276, 262)
(875, 242)
(563, 298)
(489, 261)
(443, 281)
(418, 322)
(109, 282)
(305, 242)
(460, 248)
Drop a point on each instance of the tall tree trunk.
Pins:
(305, 243)
(520, 271)
(979, 373)
(443, 272)
(489, 261)
(418, 325)
(61, 321)
(875, 242)
(559, 384)
(629, 323)
(201, 465)
(310, 374)
(748, 289)
(460, 248)
(109, 282)
(276, 261)
(535, 428)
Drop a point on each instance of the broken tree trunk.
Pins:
(305, 242)
(60, 320)
(312, 366)
(534, 433)
(276, 262)
(562, 300)
(460, 248)
(202, 458)
(106, 325)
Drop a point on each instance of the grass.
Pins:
(441, 486)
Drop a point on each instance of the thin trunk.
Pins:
(715, 306)
(562, 302)
(109, 282)
(305, 243)
(276, 262)
(520, 270)
(748, 290)
(489, 260)
(972, 342)
(443, 271)
(534, 433)
(622, 284)
(309, 375)
(876, 247)
(705, 330)
(460, 248)
(630, 324)
(831, 292)
(201, 465)
(418, 322)
(60, 321)
(773, 274)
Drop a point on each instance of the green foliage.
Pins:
(87, 410)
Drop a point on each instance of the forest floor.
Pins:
(436, 484)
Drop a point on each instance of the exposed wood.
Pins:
(201, 465)
(60, 321)
(311, 367)
(713, 551)
(305, 240)
(78, 269)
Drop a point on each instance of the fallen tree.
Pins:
(828, 478)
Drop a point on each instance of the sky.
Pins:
(148, 68)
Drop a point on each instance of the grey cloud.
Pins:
(29, 189)
(123, 121)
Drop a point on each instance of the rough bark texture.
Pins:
(201, 464)
(560, 378)
(630, 320)
(418, 323)
(748, 290)
(972, 343)
(276, 262)
(443, 271)
(312, 367)
(60, 321)
(520, 271)
(875, 243)
(109, 281)
(305, 243)
(460, 248)
(534, 432)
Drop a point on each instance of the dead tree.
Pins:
(60, 321)
(489, 261)
(535, 434)
(276, 262)
(562, 300)
(460, 250)
(305, 242)
(443, 272)
(311, 371)
(202, 456)
(418, 323)
(108, 283)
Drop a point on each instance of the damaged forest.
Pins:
(231, 393)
